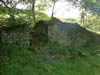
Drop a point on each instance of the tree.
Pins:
(0, 33)
(11, 6)
(36, 7)
(33, 10)
(54, 3)
(86, 7)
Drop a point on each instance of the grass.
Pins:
(52, 60)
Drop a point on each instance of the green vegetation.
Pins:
(53, 60)
(49, 58)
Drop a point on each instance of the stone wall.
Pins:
(39, 34)
(20, 36)
(16, 38)
(55, 35)
(71, 34)
(60, 32)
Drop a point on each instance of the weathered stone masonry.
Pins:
(19, 36)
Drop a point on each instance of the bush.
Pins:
(13, 24)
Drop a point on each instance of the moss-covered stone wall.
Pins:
(20, 36)
(16, 38)
(39, 34)
(70, 34)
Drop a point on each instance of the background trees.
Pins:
(36, 9)
(11, 6)
(90, 10)
(54, 3)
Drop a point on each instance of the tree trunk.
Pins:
(82, 18)
(0, 33)
(33, 10)
(11, 13)
(0, 37)
(52, 15)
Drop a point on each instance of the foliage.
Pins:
(3, 10)
(13, 24)
(42, 16)
(54, 59)
(93, 23)
(19, 60)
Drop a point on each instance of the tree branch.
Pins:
(4, 3)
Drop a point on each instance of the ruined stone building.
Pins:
(18, 35)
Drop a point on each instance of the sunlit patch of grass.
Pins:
(4, 16)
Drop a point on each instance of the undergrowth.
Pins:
(51, 60)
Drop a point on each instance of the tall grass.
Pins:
(18, 60)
